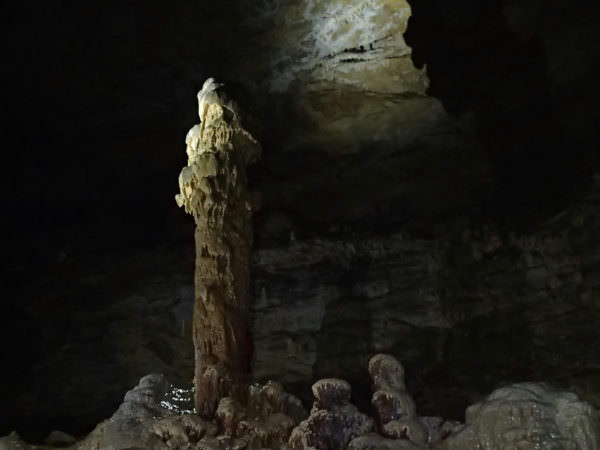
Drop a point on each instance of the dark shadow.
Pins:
(479, 67)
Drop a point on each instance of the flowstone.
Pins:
(214, 189)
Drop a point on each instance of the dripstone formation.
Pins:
(214, 189)
(155, 416)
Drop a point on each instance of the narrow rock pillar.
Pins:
(214, 189)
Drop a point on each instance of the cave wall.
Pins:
(377, 176)
(467, 311)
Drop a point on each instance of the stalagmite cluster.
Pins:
(214, 189)
(526, 416)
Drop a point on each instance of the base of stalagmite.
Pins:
(153, 416)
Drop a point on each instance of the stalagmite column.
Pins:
(214, 189)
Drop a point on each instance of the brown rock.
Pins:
(214, 189)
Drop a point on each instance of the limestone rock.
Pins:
(265, 422)
(373, 441)
(185, 431)
(60, 439)
(214, 381)
(214, 189)
(143, 401)
(352, 42)
(423, 300)
(394, 405)
(528, 416)
(147, 420)
(333, 420)
(270, 398)
(349, 115)
(13, 442)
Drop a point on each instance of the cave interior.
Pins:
(433, 197)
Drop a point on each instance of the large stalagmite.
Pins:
(214, 189)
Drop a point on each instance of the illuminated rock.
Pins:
(214, 189)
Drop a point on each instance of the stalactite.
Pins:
(214, 189)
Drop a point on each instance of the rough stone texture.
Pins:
(528, 416)
(524, 416)
(126, 75)
(374, 441)
(138, 422)
(265, 422)
(450, 306)
(333, 420)
(340, 97)
(13, 442)
(214, 189)
(394, 405)
(151, 417)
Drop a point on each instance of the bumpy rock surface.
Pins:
(374, 441)
(395, 407)
(136, 422)
(153, 417)
(265, 422)
(214, 189)
(342, 75)
(333, 420)
(534, 295)
(528, 416)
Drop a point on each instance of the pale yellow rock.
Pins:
(354, 42)
(214, 189)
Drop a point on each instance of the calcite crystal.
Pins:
(214, 189)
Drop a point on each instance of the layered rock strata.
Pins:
(214, 189)
(350, 131)
(449, 306)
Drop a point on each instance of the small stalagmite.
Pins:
(214, 189)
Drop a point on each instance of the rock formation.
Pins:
(394, 405)
(533, 294)
(147, 419)
(265, 422)
(528, 416)
(343, 103)
(214, 189)
(333, 420)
